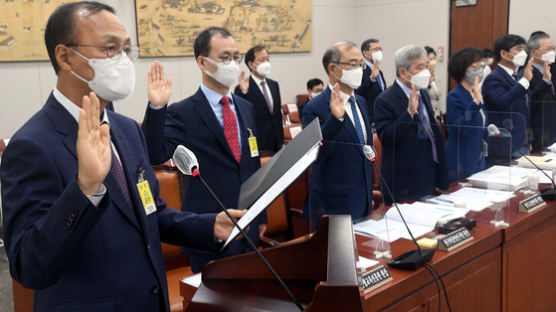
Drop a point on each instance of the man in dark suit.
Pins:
(341, 179)
(213, 124)
(315, 87)
(373, 82)
(75, 226)
(264, 94)
(542, 95)
(413, 160)
(505, 93)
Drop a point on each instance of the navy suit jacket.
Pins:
(466, 134)
(370, 90)
(270, 132)
(543, 111)
(407, 161)
(341, 178)
(192, 123)
(506, 103)
(76, 256)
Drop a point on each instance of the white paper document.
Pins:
(274, 191)
(366, 263)
(506, 178)
(421, 219)
(476, 199)
(193, 280)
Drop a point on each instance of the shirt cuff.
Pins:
(547, 81)
(155, 107)
(524, 82)
(98, 196)
(373, 80)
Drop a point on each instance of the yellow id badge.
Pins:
(146, 197)
(253, 144)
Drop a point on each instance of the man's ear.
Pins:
(251, 65)
(201, 62)
(62, 54)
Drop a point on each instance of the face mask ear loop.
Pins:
(74, 73)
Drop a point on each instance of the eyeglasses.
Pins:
(111, 51)
(363, 65)
(225, 59)
(479, 66)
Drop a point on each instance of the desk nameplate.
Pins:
(375, 278)
(454, 239)
(531, 203)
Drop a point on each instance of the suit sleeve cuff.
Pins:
(524, 82)
(98, 196)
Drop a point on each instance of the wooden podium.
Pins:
(320, 271)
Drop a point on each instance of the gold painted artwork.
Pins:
(169, 27)
(22, 24)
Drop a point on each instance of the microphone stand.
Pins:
(197, 174)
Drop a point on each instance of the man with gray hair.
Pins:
(413, 162)
(342, 178)
(542, 95)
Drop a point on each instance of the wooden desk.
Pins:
(501, 269)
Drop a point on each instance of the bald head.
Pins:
(335, 52)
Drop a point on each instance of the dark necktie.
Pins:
(426, 124)
(266, 97)
(230, 128)
(118, 172)
(356, 121)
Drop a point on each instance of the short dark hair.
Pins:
(506, 42)
(430, 50)
(461, 60)
(487, 53)
(201, 46)
(538, 32)
(60, 27)
(367, 44)
(250, 55)
(314, 82)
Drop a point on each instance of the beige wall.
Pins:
(25, 86)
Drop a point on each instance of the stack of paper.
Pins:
(476, 199)
(421, 219)
(506, 178)
(543, 162)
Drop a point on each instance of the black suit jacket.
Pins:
(407, 160)
(192, 123)
(543, 110)
(370, 90)
(270, 132)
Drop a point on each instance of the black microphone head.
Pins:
(185, 160)
(508, 124)
(369, 152)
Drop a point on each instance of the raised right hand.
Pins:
(375, 71)
(158, 90)
(528, 71)
(93, 147)
(476, 92)
(336, 102)
(413, 102)
(243, 82)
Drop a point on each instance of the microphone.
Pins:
(187, 163)
(412, 259)
(546, 194)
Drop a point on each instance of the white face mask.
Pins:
(114, 77)
(352, 77)
(422, 79)
(490, 60)
(519, 59)
(226, 74)
(377, 56)
(264, 68)
(314, 94)
(549, 56)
